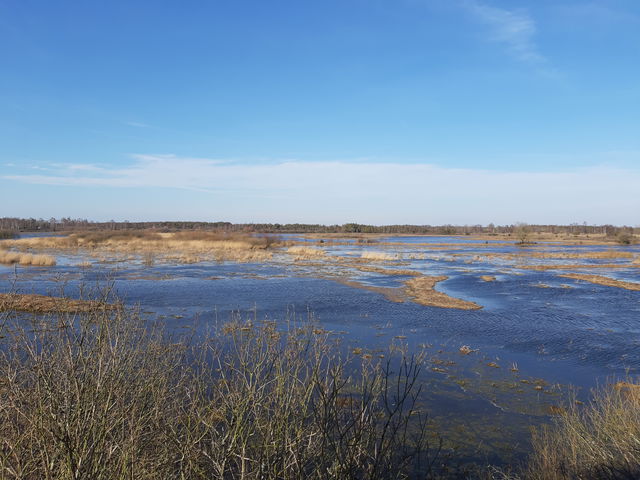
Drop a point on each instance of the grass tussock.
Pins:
(379, 256)
(26, 259)
(598, 441)
(108, 396)
(306, 252)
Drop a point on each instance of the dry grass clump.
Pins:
(421, 290)
(45, 304)
(95, 238)
(259, 242)
(379, 256)
(602, 280)
(26, 259)
(306, 252)
(608, 266)
(606, 254)
(106, 395)
(387, 271)
(599, 441)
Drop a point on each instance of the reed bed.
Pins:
(186, 247)
(598, 441)
(379, 256)
(26, 259)
(306, 252)
(104, 395)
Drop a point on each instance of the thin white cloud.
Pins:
(338, 191)
(515, 29)
(137, 124)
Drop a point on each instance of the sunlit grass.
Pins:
(598, 441)
(26, 259)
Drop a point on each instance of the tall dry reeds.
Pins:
(199, 245)
(306, 252)
(10, 258)
(598, 441)
(379, 256)
(108, 396)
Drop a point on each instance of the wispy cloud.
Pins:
(137, 124)
(337, 191)
(515, 29)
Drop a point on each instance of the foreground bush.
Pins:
(106, 396)
(598, 441)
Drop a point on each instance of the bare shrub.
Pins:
(522, 232)
(105, 395)
(625, 238)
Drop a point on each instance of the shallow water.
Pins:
(548, 329)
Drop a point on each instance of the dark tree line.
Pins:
(8, 224)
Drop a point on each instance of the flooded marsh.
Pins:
(501, 353)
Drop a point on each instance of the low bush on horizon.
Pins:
(107, 396)
(625, 238)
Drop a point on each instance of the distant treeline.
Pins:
(69, 224)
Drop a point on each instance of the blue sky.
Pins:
(375, 111)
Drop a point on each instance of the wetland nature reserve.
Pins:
(346, 239)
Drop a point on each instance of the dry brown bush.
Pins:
(105, 395)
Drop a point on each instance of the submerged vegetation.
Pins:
(602, 280)
(422, 290)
